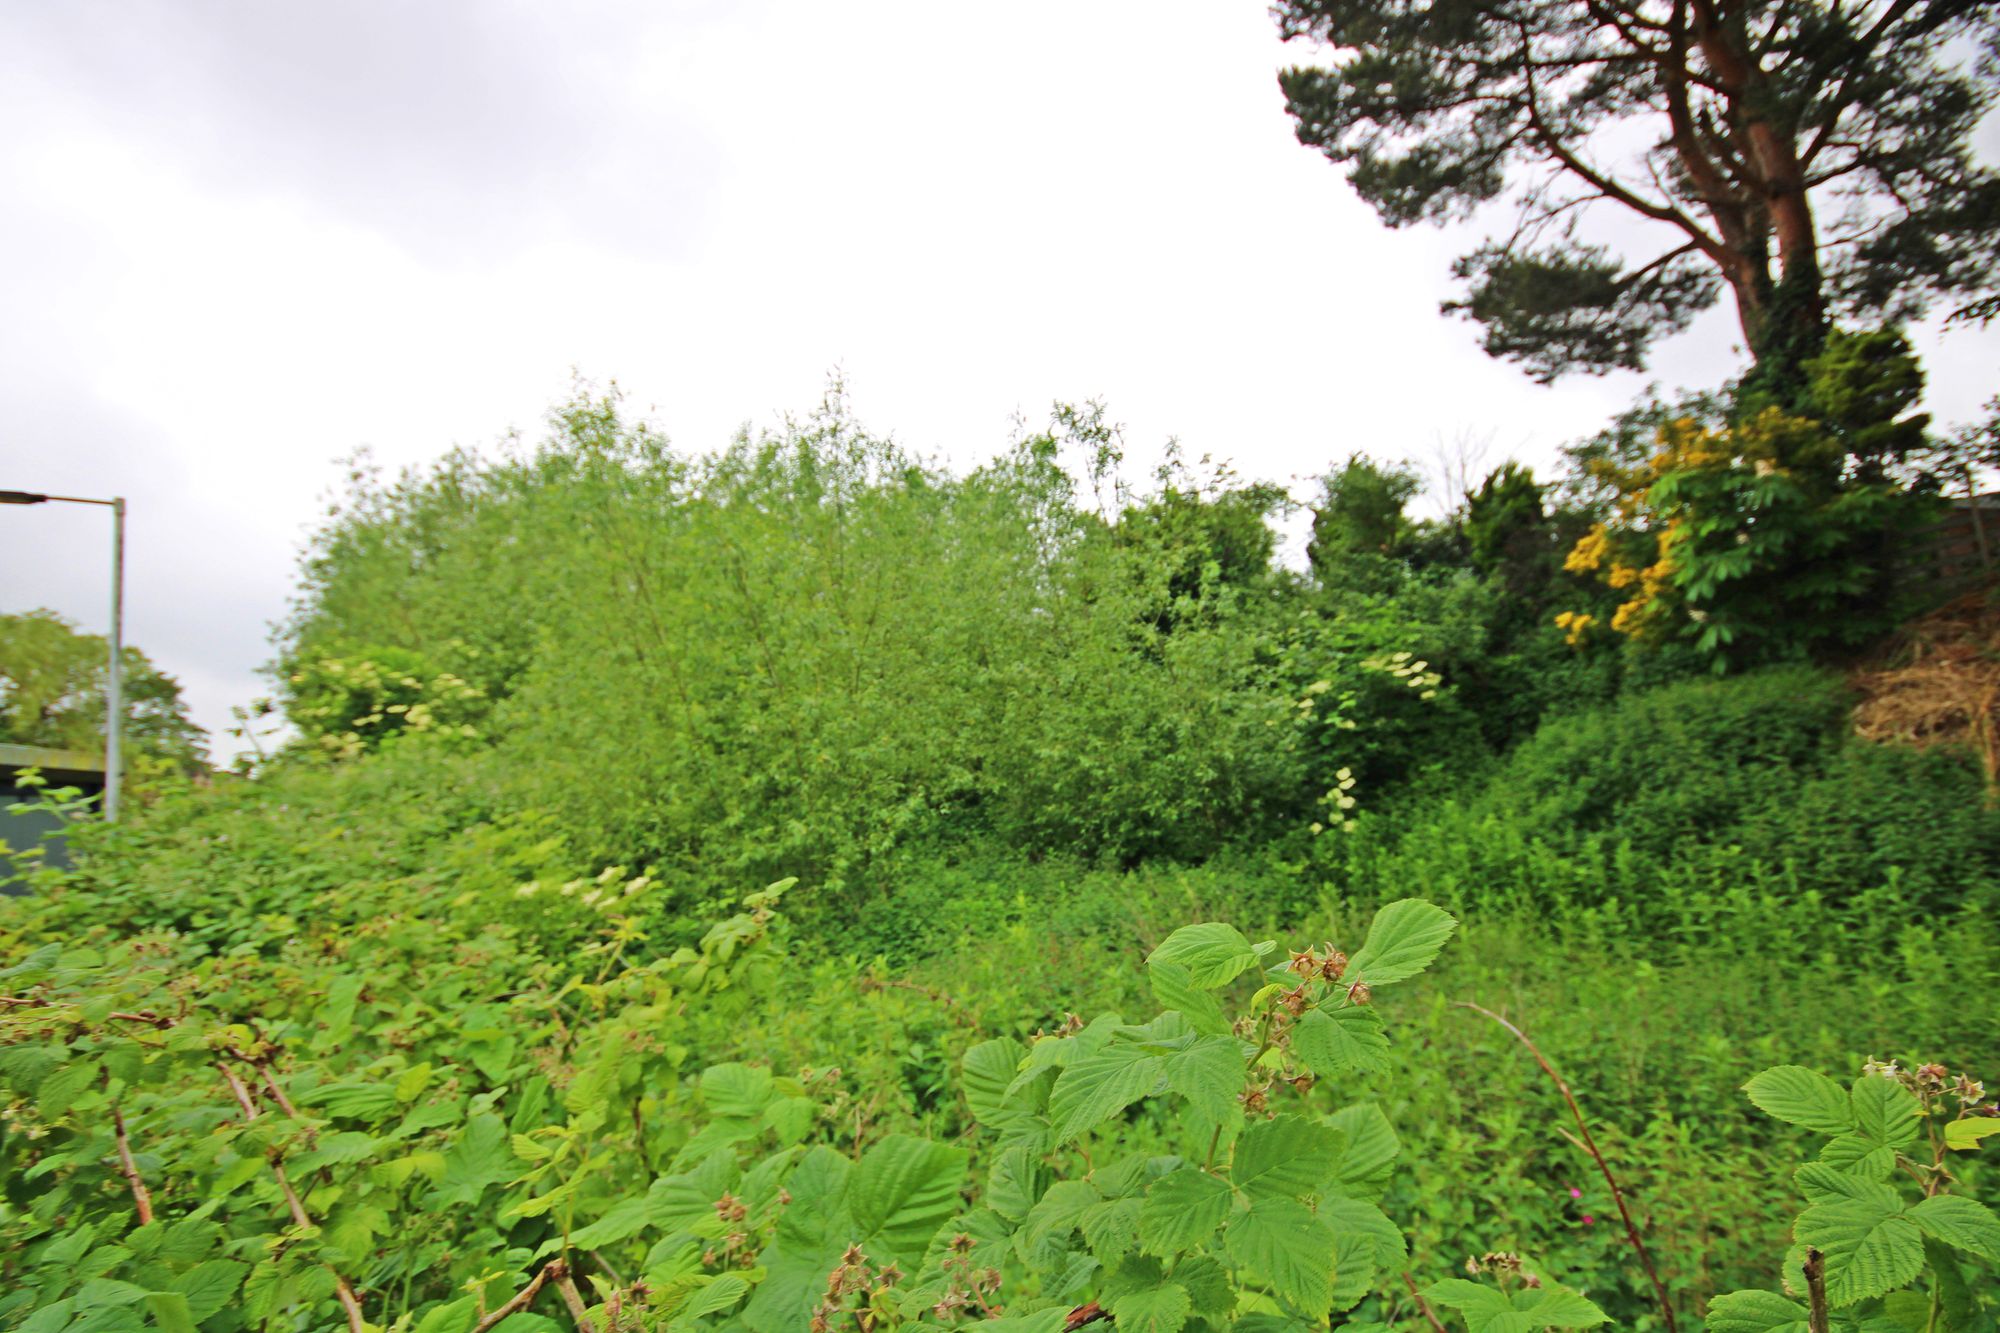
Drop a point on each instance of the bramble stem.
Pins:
(1816, 1316)
(1590, 1146)
(349, 1302)
(142, 1202)
(1423, 1306)
(578, 1311)
(553, 1268)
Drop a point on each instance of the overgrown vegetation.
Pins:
(461, 1009)
(453, 1013)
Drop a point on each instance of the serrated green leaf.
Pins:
(1161, 1309)
(1208, 1287)
(1885, 1111)
(1056, 1214)
(1110, 1229)
(478, 1157)
(1964, 1134)
(1404, 938)
(1093, 1088)
(719, 1293)
(170, 1311)
(1015, 1182)
(1354, 1217)
(1479, 1306)
(1962, 1223)
(1344, 1040)
(627, 1217)
(812, 1232)
(1280, 1242)
(209, 1285)
(1553, 1305)
(1805, 1097)
(986, 1071)
(1173, 986)
(452, 1317)
(1353, 1269)
(1859, 1155)
(1369, 1149)
(352, 1101)
(1214, 954)
(736, 1091)
(1755, 1312)
(60, 1090)
(1948, 1282)
(1209, 1073)
(1820, 1182)
(1287, 1156)
(1868, 1250)
(902, 1191)
(1182, 1210)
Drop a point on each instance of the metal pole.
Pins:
(114, 691)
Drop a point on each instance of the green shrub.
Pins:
(1667, 807)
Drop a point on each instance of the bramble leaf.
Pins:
(1161, 1309)
(1859, 1155)
(1181, 1210)
(1280, 1242)
(1173, 986)
(1869, 1250)
(1805, 1097)
(735, 1091)
(1962, 1223)
(1755, 1312)
(1212, 953)
(1287, 1156)
(1369, 1150)
(1404, 938)
(1209, 1073)
(902, 1191)
(1014, 1183)
(1552, 1305)
(1488, 1310)
(1352, 1217)
(1963, 1135)
(1348, 1039)
(1093, 1088)
(1885, 1111)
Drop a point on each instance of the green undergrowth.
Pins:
(473, 1014)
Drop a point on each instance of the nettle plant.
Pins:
(1886, 1243)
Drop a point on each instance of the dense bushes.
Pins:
(1693, 793)
(794, 656)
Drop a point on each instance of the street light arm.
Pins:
(36, 498)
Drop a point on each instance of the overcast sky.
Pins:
(241, 238)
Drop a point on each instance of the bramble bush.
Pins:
(247, 1139)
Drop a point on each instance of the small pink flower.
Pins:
(1575, 1193)
(1589, 1221)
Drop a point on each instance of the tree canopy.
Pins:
(52, 693)
(1814, 158)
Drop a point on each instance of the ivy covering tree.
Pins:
(1813, 158)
